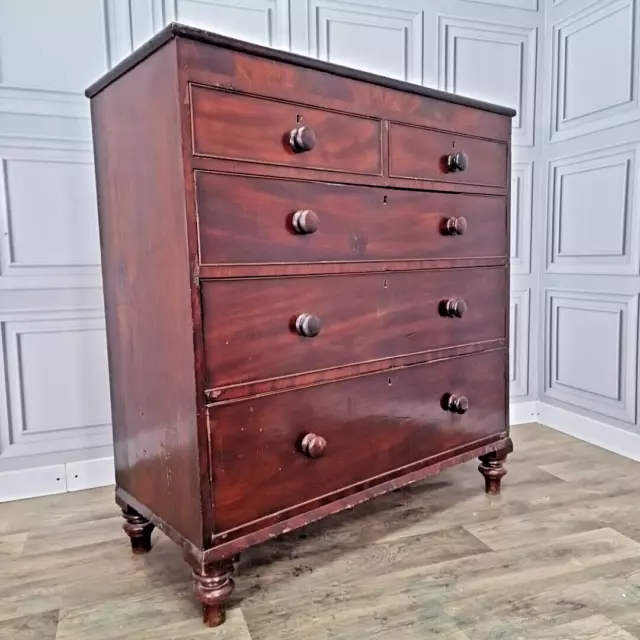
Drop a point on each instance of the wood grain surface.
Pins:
(156, 446)
(416, 152)
(247, 128)
(364, 317)
(249, 221)
(372, 425)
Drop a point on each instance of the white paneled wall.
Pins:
(54, 413)
(590, 277)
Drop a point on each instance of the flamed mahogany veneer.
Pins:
(306, 284)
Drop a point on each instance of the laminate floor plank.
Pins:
(555, 557)
(42, 626)
(556, 599)
(592, 628)
(12, 545)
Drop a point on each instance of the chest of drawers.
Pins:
(306, 285)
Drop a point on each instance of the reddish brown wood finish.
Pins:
(492, 467)
(249, 220)
(193, 34)
(241, 127)
(213, 585)
(208, 272)
(228, 545)
(364, 317)
(147, 284)
(261, 387)
(220, 165)
(372, 425)
(212, 389)
(259, 75)
(415, 152)
(139, 530)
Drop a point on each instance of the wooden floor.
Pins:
(556, 556)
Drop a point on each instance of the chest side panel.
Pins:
(147, 284)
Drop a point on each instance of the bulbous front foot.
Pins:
(212, 587)
(493, 469)
(139, 529)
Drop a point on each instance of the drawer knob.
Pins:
(458, 404)
(307, 325)
(302, 139)
(305, 221)
(457, 162)
(456, 226)
(313, 446)
(455, 307)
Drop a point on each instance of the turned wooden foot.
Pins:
(213, 587)
(493, 469)
(139, 529)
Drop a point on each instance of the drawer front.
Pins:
(370, 426)
(254, 220)
(435, 155)
(249, 129)
(250, 324)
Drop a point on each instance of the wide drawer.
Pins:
(252, 326)
(255, 220)
(251, 129)
(425, 154)
(369, 426)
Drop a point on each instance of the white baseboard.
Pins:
(32, 482)
(58, 478)
(523, 412)
(606, 436)
(88, 474)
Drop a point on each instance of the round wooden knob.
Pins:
(456, 226)
(302, 139)
(458, 162)
(313, 446)
(455, 307)
(307, 325)
(305, 221)
(458, 404)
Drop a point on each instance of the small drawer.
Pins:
(262, 328)
(270, 221)
(245, 128)
(425, 154)
(275, 452)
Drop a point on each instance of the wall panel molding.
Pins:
(601, 90)
(264, 22)
(43, 107)
(594, 190)
(77, 387)
(63, 203)
(390, 40)
(525, 5)
(521, 217)
(519, 330)
(495, 58)
(119, 30)
(591, 351)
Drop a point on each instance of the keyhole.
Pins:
(453, 144)
(384, 199)
(298, 119)
(384, 284)
(389, 381)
